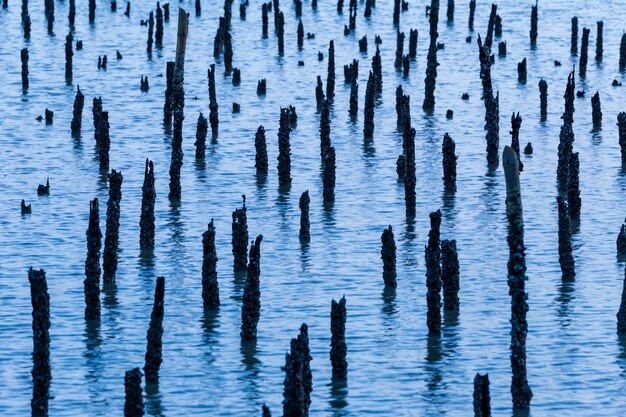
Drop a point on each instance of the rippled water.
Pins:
(576, 362)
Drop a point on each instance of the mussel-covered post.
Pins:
(298, 383)
(338, 347)
(210, 288)
(482, 399)
(596, 111)
(154, 353)
(450, 275)
(92, 263)
(109, 257)
(566, 136)
(584, 57)
(543, 99)
(239, 239)
(573, 186)
(388, 255)
(146, 221)
(433, 274)
(284, 149)
(491, 106)
(251, 308)
(621, 127)
(69, 53)
(213, 107)
(520, 390)
(261, 163)
(169, 79)
(566, 259)
(77, 114)
(574, 38)
(534, 17)
(133, 403)
(431, 66)
(599, 41)
(24, 58)
(40, 301)
(448, 150)
(178, 103)
(201, 130)
(305, 223)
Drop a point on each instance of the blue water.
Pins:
(576, 362)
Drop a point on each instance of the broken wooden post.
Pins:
(368, 111)
(280, 33)
(201, 131)
(251, 303)
(72, 13)
(621, 126)
(502, 49)
(77, 113)
(239, 238)
(498, 26)
(25, 19)
(388, 255)
(133, 403)
(433, 274)
(210, 288)
(158, 35)
(298, 379)
(448, 150)
(284, 149)
(622, 52)
(534, 17)
(103, 140)
(584, 46)
(413, 43)
(44, 189)
(408, 147)
(150, 30)
(92, 10)
(566, 259)
(573, 187)
(328, 175)
(68, 58)
(264, 19)
(169, 79)
(260, 145)
(431, 66)
(566, 136)
(450, 275)
(266, 411)
(25, 209)
(521, 72)
(574, 39)
(330, 80)
(599, 40)
(543, 99)
(92, 263)
(178, 103)
(354, 98)
(516, 278)
(24, 57)
(305, 223)
(472, 11)
(146, 221)
(491, 105)
(482, 399)
(109, 256)
(490, 26)
(596, 111)
(399, 49)
(213, 107)
(228, 53)
(377, 69)
(154, 346)
(338, 347)
(516, 124)
(41, 372)
(450, 11)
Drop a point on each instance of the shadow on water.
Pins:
(252, 366)
(338, 394)
(146, 262)
(433, 364)
(94, 364)
(565, 296)
(305, 256)
(210, 323)
(447, 206)
(389, 308)
(490, 195)
(153, 400)
(239, 280)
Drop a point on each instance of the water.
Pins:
(576, 362)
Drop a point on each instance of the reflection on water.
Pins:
(338, 397)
